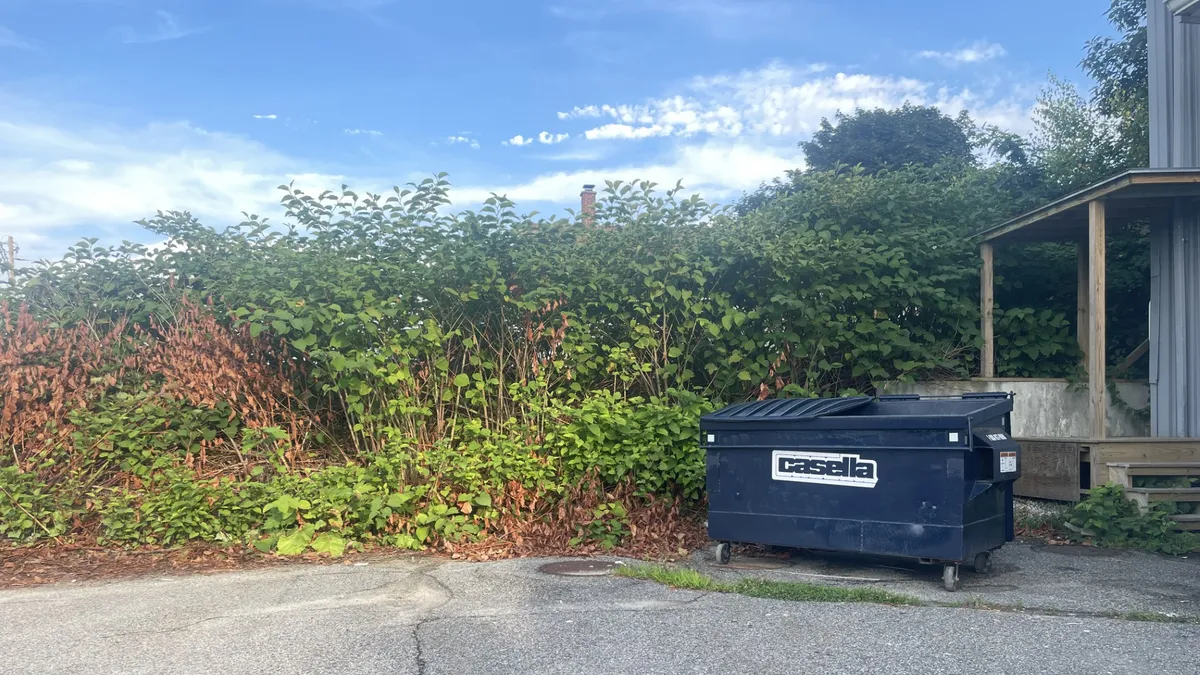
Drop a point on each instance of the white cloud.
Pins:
(8, 38)
(550, 139)
(625, 131)
(58, 183)
(977, 53)
(166, 28)
(266, 117)
(517, 141)
(589, 153)
(474, 144)
(730, 133)
(716, 169)
(787, 102)
(363, 132)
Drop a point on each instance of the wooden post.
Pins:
(1096, 343)
(1082, 320)
(986, 301)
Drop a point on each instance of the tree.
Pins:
(1119, 67)
(878, 139)
(1074, 143)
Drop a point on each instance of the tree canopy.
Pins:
(877, 139)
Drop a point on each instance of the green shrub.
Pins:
(655, 441)
(1114, 520)
(172, 509)
(1035, 343)
(31, 510)
(143, 433)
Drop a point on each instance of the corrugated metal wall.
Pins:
(1175, 324)
(1174, 241)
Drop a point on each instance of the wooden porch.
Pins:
(1060, 468)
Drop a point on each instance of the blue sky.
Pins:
(111, 109)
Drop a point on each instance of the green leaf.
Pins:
(461, 380)
(266, 545)
(296, 542)
(330, 543)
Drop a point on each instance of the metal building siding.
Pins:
(1175, 243)
(1185, 134)
(1158, 34)
(1175, 324)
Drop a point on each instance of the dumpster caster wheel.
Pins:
(982, 563)
(724, 552)
(950, 578)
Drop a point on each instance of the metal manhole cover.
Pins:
(1079, 551)
(579, 568)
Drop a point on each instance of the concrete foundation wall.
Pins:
(1044, 408)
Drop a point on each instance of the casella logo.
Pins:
(828, 468)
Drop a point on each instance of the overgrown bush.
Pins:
(381, 369)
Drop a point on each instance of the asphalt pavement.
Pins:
(419, 615)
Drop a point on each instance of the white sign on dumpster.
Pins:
(828, 468)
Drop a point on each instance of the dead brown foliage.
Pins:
(47, 371)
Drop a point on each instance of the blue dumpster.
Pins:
(926, 478)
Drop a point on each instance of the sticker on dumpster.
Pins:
(1008, 462)
(829, 468)
(997, 437)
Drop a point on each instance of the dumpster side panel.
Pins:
(986, 523)
(909, 504)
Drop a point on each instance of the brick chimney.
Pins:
(587, 203)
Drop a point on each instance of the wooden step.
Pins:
(1143, 496)
(1188, 521)
(1167, 494)
(1122, 473)
(1158, 468)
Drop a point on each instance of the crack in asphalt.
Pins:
(165, 631)
(416, 635)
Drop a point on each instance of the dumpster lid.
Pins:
(864, 412)
(788, 408)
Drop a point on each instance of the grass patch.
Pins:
(682, 577)
(689, 579)
(675, 577)
(786, 590)
(1156, 617)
